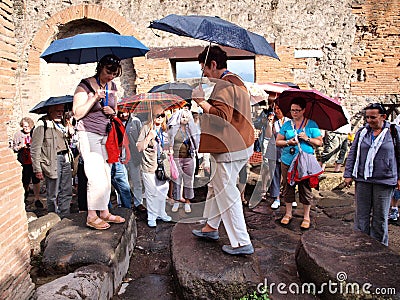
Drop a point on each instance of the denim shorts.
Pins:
(396, 194)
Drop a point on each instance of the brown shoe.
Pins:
(113, 219)
(141, 208)
(94, 223)
(305, 224)
(286, 220)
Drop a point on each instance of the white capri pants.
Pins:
(98, 171)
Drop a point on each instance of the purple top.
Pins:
(95, 120)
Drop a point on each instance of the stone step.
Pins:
(71, 245)
(346, 264)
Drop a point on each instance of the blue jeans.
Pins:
(372, 206)
(119, 180)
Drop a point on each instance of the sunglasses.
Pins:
(111, 61)
(378, 106)
(371, 117)
(160, 115)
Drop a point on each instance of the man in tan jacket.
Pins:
(51, 160)
(227, 134)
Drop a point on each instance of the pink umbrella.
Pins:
(325, 111)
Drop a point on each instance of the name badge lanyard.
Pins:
(98, 82)
(160, 137)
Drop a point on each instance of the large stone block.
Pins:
(205, 272)
(90, 282)
(345, 264)
(38, 229)
(71, 244)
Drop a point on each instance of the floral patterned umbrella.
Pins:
(142, 103)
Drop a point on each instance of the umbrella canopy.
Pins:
(42, 107)
(325, 111)
(181, 89)
(91, 47)
(141, 103)
(215, 30)
(257, 93)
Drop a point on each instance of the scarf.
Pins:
(373, 149)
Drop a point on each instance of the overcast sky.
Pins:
(191, 69)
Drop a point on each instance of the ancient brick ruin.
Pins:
(351, 47)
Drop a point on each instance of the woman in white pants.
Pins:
(151, 141)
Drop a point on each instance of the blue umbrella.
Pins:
(215, 30)
(181, 89)
(91, 47)
(42, 107)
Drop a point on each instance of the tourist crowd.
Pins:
(67, 151)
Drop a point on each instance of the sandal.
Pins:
(116, 219)
(305, 224)
(91, 222)
(286, 219)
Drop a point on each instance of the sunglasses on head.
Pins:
(162, 115)
(377, 106)
(111, 61)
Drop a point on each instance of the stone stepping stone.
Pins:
(349, 260)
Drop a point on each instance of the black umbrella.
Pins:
(181, 89)
(215, 30)
(42, 107)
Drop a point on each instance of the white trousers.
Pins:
(156, 195)
(224, 203)
(97, 170)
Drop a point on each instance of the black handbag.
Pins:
(160, 171)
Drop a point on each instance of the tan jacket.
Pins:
(227, 127)
(44, 149)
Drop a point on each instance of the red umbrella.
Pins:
(325, 111)
(141, 103)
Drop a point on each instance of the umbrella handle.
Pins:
(205, 62)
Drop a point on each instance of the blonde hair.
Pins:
(27, 120)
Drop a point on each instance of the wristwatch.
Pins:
(308, 140)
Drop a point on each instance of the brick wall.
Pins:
(15, 281)
(358, 39)
(376, 49)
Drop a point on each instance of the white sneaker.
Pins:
(188, 210)
(276, 204)
(175, 207)
(294, 204)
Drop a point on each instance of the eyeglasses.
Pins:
(296, 110)
(160, 115)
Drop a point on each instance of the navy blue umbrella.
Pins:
(42, 107)
(181, 89)
(215, 30)
(91, 47)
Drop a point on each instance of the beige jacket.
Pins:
(44, 148)
(228, 126)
